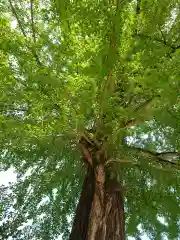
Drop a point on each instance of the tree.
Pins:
(90, 89)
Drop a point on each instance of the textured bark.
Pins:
(97, 210)
(80, 225)
(112, 226)
(115, 220)
(100, 212)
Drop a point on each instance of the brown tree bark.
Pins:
(115, 221)
(100, 211)
(80, 225)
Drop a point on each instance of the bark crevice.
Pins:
(80, 225)
(100, 211)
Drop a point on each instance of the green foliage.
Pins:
(54, 68)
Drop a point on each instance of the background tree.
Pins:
(85, 80)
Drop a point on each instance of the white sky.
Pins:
(14, 24)
(7, 176)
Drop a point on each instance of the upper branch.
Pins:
(17, 18)
(24, 33)
(162, 34)
(109, 62)
(143, 107)
(32, 21)
(138, 11)
(165, 43)
(138, 7)
(163, 157)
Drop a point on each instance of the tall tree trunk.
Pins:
(115, 222)
(100, 211)
(80, 225)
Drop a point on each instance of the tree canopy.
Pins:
(109, 68)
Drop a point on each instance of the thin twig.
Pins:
(17, 18)
(172, 115)
(162, 34)
(138, 11)
(32, 21)
(24, 33)
(128, 103)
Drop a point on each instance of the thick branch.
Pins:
(87, 155)
(160, 157)
(85, 144)
(144, 106)
(173, 115)
(138, 7)
(172, 47)
(111, 161)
